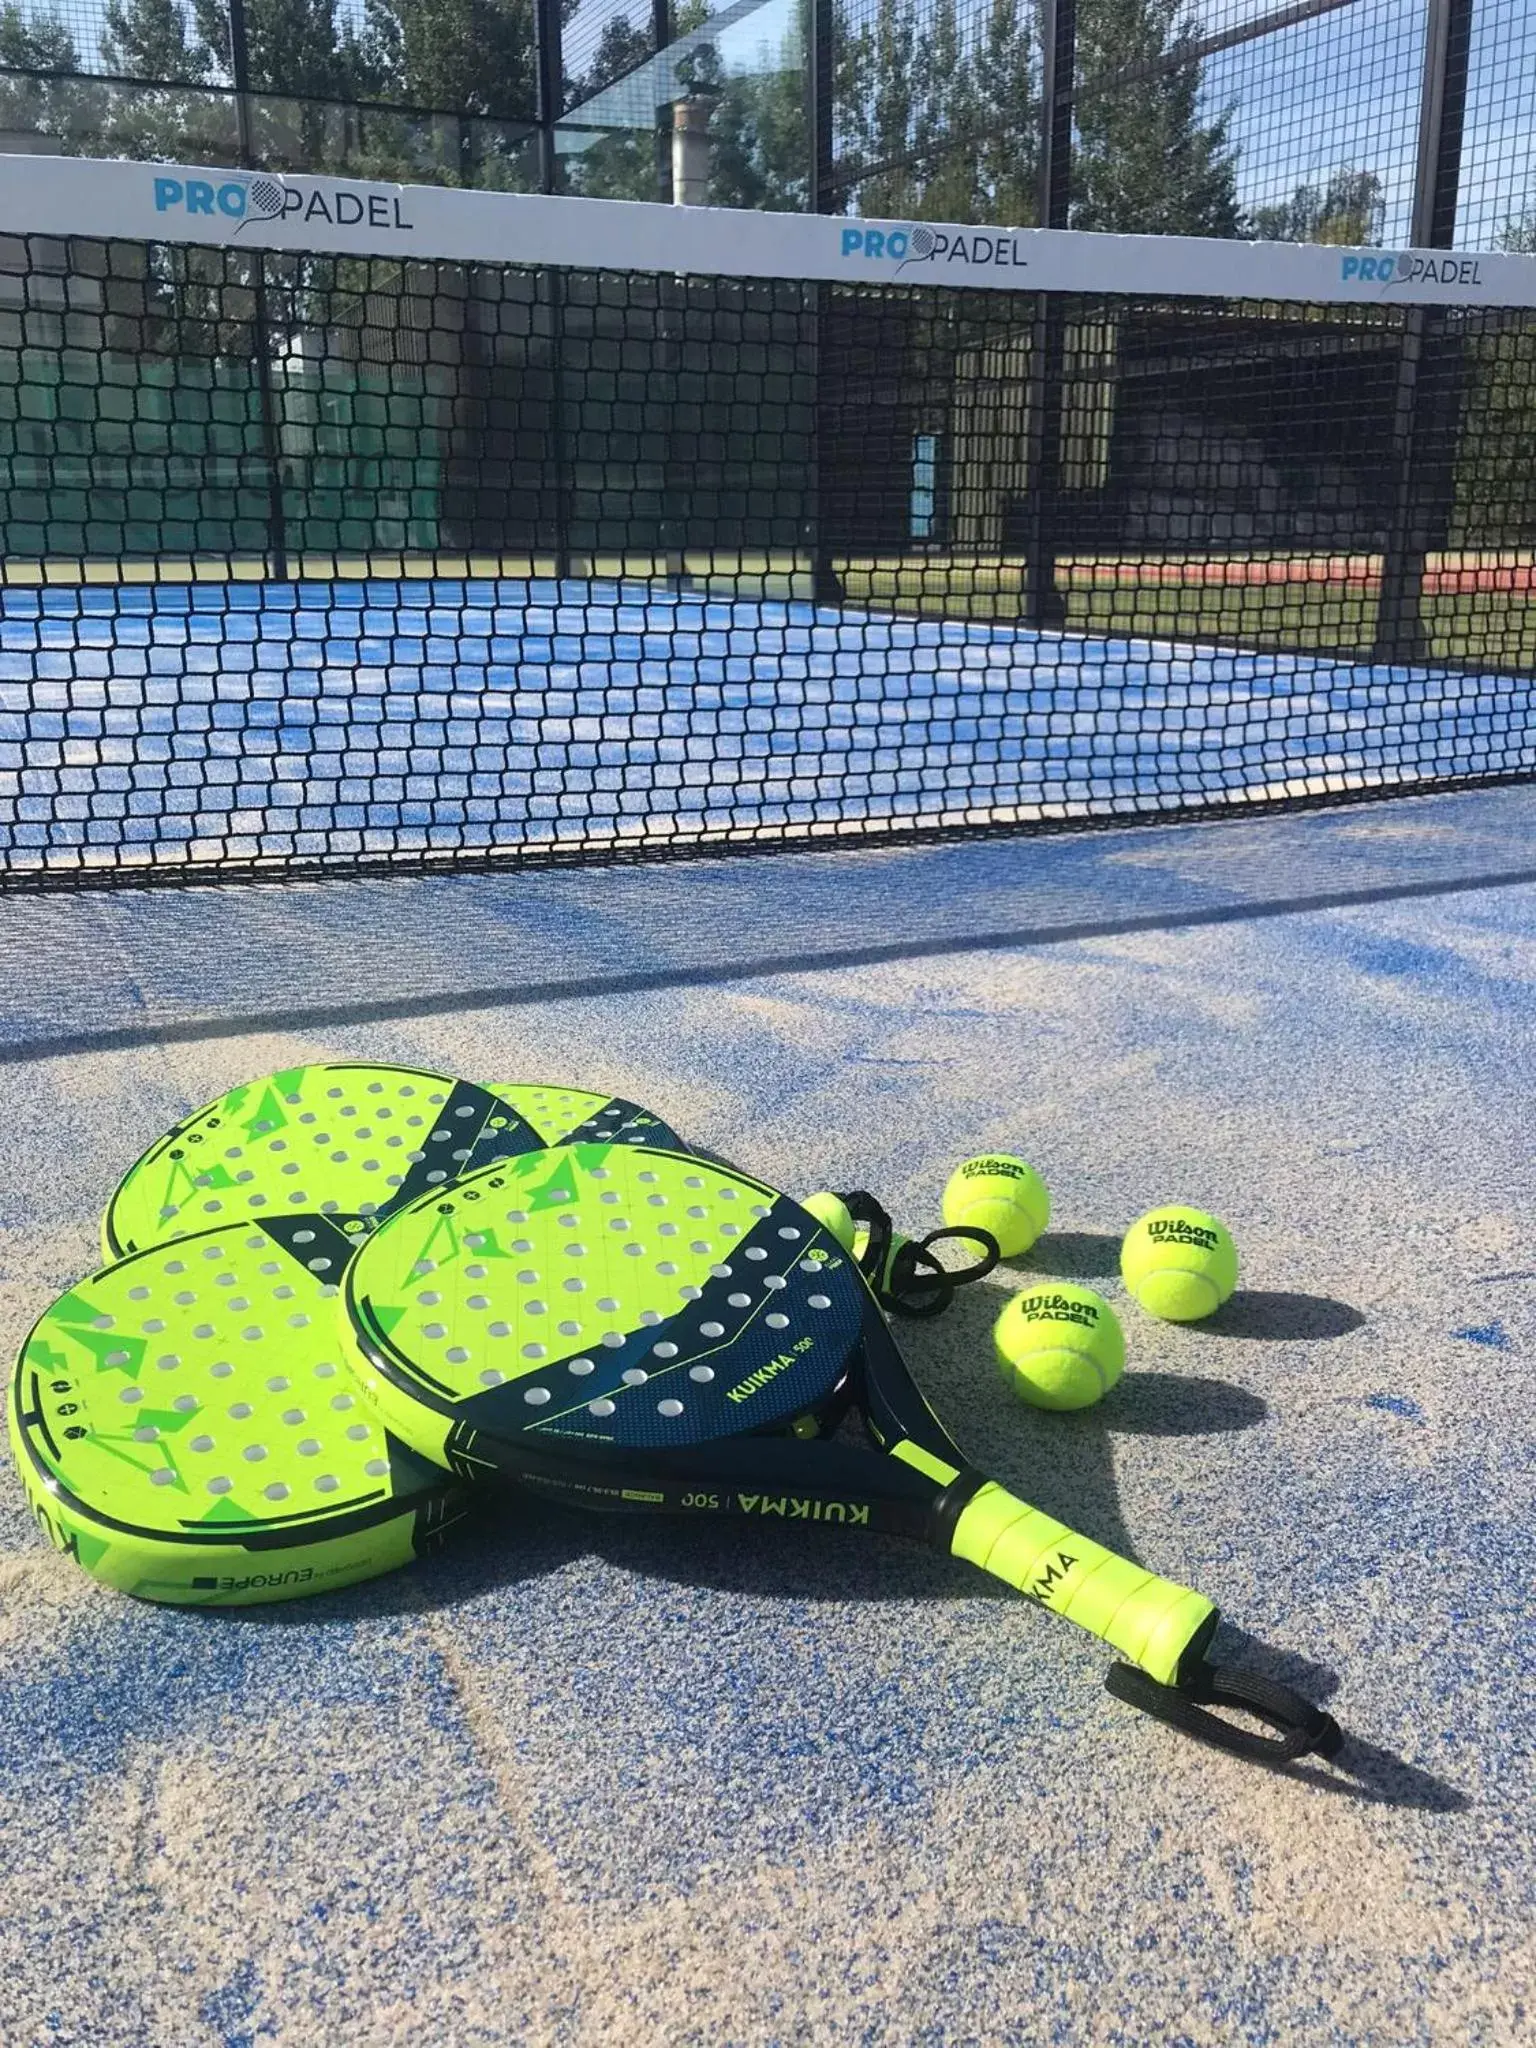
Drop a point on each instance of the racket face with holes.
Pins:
(348, 1139)
(601, 1299)
(188, 1428)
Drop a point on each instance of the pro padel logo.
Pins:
(257, 198)
(953, 250)
(1412, 266)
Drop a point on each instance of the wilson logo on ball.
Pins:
(1056, 1308)
(1171, 1231)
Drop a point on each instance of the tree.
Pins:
(293, 46)
(1008, 105)
(473, 57)
(1147, 160)
(1348, 212)
(63, 106)
(760, 156)
(153, 39)
(622, 47)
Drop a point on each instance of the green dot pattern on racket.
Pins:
(188, 1427)
(347, 1138)
(605, 1295)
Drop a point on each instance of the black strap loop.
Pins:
(910, 1280)
(1301, 1727)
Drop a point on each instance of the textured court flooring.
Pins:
(577, 1781)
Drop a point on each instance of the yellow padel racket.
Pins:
(347, 1139)
(188, 1428)
(643, 1330)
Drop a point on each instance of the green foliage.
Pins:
(36, 42)
(936, 105)
(620, 164)
(1348, 212)
(1146, 161)
(622, 46)
(154, 39)
(760, 143)
(61, 106)
(473, 56)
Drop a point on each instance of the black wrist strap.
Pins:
(1301, 1728)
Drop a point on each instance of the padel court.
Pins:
(528, 1646)
(540, 1785)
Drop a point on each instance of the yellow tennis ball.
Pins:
(1059, 1346)
(1179, 1263)
(1002, 1195)
(832, 1212)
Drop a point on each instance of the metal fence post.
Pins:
(1042, 604)
(820, 71)
(550, 59)
(661, 37)
(1420, 512)
(266, 396)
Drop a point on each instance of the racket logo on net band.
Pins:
(1412, 266)
(963, 249)
(267, 199)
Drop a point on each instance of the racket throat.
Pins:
(950, 1504)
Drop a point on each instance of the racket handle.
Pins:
(1159, 1626)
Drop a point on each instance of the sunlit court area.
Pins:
(766, 904)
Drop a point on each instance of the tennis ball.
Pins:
(1059, 1346)
(831, 1211)
(1001, 1195)
(1180, 1264)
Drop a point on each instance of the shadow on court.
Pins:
(488, 942)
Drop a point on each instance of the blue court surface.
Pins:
(579, 1781)
(260, 721)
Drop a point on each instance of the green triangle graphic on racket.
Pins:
(346, 1138)
(187, 1425)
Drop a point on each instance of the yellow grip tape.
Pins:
(1148, 1619)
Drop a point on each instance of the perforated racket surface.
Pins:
(603, 1296)
(350, 1138)
(188, 1428)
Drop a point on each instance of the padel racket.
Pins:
(644, 1330)
(349, 1139)
(187, 1428)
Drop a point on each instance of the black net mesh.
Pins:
(319, 562)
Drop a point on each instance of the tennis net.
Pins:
(359, 527)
